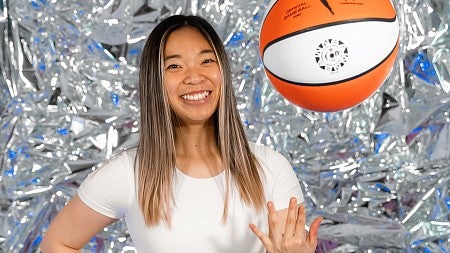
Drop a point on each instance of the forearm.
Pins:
(56, 248)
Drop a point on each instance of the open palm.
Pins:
(292, 238)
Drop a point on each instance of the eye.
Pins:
(173, 66)
(209, 60)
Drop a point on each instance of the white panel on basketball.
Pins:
(368, 43)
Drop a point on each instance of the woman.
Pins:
(194, 183)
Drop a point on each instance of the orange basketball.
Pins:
(329, 55)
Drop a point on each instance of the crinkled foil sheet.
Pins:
(378, 173)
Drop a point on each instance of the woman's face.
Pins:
(192, 77)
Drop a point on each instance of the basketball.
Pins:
(328, 56)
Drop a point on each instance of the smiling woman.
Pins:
(194, 183)
(192, 78)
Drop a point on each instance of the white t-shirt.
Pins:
(196, 224)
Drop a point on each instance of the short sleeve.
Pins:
(281, 181)
(110, 188)
(286, 184)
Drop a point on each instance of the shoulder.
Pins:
(110, 188)
(279, 178)
(120, 166)
(125, 157)
(274, 165)
(268, 157)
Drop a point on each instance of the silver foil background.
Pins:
(378, 173)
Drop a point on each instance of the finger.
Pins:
(269, 221)
(291, 218)
(300, 225)
(275, 231)
(313, 231)
(262, 237)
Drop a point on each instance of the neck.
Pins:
(197, 153)
(195, 140)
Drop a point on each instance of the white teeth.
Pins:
(196, 97)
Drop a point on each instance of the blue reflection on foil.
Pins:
(35, 5)
(62, 131)
(447, 202)
(423, 68)
(379, 139)
(134, 51)
(383, 187)
(427, 250)
(115, 99)
(10, 172)
(12, 154)
(35, 180)
(37, 240)
(236, 39)
(42, 65)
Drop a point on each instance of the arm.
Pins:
(73, 227)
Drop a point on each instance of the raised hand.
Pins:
(292, 238)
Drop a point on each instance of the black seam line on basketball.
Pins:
(389, 20)
(336, 82)
(327, 5)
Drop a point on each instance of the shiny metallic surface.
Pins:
(378, 173)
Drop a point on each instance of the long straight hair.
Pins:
(156, 154)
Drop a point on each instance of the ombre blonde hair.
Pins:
(155, 160)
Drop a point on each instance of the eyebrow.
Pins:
(205, 51)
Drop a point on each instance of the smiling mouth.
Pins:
(196, 97)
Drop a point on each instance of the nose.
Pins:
(194, 75)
